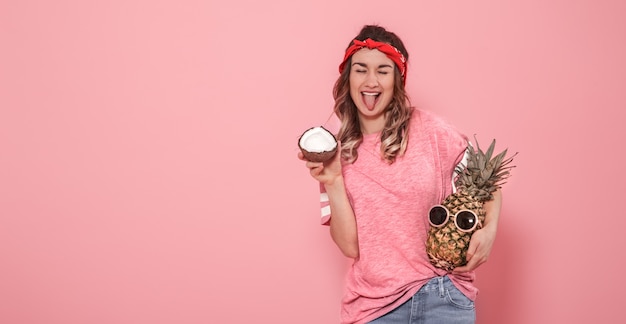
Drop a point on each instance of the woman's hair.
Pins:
(394, 134)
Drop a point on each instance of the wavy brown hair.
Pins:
(393, 137)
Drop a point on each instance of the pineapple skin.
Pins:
(447, 246)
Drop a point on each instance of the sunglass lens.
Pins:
(438, 215)
(466, 220)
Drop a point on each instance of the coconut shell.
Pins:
(318, 155)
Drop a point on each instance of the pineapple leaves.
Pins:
(483, 173)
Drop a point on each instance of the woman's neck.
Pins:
(372, 126)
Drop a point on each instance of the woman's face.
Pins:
(371, 87)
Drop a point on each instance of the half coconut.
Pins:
(318, 144)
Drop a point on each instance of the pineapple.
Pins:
(447, 244)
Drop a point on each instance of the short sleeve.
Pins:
(452, 147)
(460, 166)
(324, 206)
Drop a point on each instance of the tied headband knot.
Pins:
(392, 53)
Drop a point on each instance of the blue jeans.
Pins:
(437, 302)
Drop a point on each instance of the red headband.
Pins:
(391, 52)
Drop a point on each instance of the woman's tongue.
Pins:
(369, 98)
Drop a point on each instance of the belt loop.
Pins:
(441, 289)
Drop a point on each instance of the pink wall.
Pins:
(148, 169)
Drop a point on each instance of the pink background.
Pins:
(148, 169)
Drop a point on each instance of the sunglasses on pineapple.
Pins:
(465, 219)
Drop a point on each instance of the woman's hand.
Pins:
(479, 249)
(325, 172)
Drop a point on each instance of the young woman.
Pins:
(395, 163)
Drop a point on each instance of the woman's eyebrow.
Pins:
(380, 66)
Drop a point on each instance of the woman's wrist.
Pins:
(491, 226)
(334, 183)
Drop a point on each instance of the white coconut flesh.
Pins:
(318, 140)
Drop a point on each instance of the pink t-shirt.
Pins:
(391, 204)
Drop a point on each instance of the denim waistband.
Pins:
(438, 283)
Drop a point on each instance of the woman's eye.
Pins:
(360, 71)
(383, 72)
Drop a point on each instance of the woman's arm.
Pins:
(342, 222)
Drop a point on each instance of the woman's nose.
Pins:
(371, 80)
